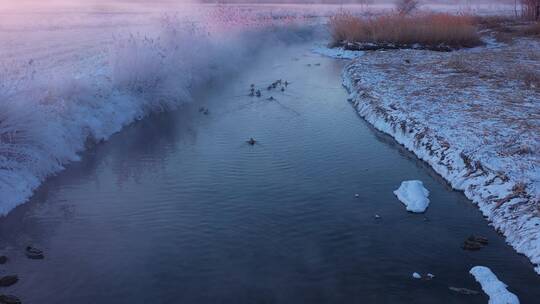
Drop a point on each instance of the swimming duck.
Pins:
(271, 98)
(480, 239)
(252, 141)
(205, 112)
(34, 253)
(258, 93)
(8, 299)
(286, 83)
(282, 89)
(472, 245)
(8, 280)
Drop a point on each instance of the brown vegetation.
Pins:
(426, 30)
(530, 9)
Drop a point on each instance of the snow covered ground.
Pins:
(473, 115)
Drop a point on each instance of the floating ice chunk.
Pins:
(495, 289)
(416, 275)
(413, 195)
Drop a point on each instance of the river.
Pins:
(178, 208)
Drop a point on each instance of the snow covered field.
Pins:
(473, 115)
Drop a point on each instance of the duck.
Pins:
(472, 245)
(271, 98)
(205, 112)
(34, 253)
(282, 89)
(258, 93)
(286, 83)
(479, 239)
(9, 299)
(8, 280)
(251, 141)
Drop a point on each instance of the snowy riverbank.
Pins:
(473, 115)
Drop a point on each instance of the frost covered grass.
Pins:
(53, 108)
(473, 116)
(427, 29)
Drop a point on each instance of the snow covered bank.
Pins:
(495, 289)
(473, 115)
(413, 195)
(53, 106)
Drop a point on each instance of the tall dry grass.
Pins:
(530, 9)
(425, 29)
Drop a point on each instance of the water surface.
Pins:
(177, 208)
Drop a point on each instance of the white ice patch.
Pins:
(338, 53)
(413, 195)
(495, 289)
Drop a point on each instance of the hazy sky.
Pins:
(7, 4)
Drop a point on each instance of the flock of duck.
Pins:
(253, 92)
(9, 280)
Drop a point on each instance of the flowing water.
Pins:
(178, 208)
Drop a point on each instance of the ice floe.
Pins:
(493, 287)
(413, 195)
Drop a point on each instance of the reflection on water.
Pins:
(179, 209)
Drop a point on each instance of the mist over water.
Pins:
(71, 79)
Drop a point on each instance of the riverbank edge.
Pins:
(482, 186)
